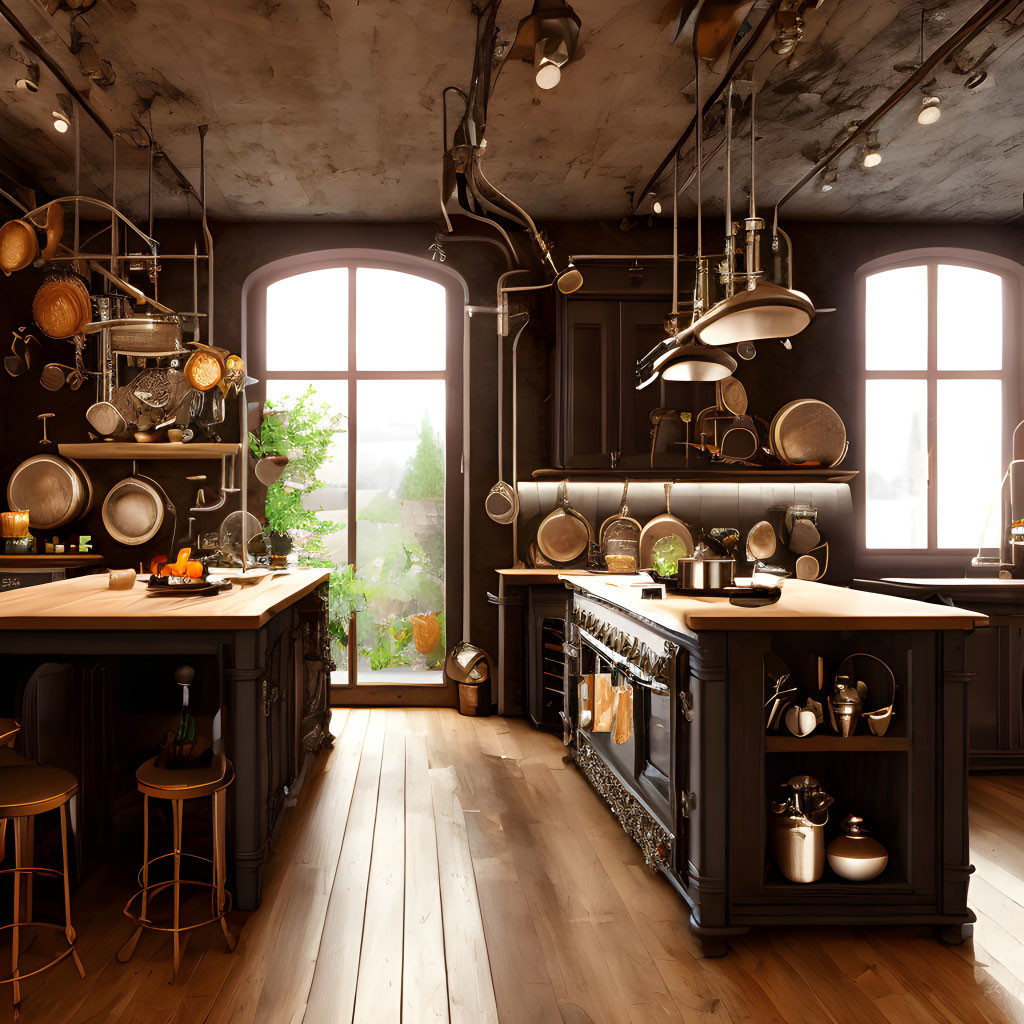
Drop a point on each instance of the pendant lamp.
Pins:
(692, 361)
(765, 311)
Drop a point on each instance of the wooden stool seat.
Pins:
(28, 789)
(178, 785)
(184, 783)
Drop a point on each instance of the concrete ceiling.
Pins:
(331, 108)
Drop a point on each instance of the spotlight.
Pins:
(829, 177)
(872, 156)
(62, 114)
(29, 80)
(569, 280)
(930, 111)
(547, 37)
(656, 206)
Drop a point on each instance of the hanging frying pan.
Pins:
(725, 429)
(808, 433)
(133, 510)
(665, 525)
(53, 490)
(564, 534)
(622, 516)
(761, 542)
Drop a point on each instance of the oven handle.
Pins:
(636, 676)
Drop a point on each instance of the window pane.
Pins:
(896, 320)
(970, 312)
(896, 510)
(400, 529)
(329, 503)
(400, 321)
(307, 321)
(969, 443)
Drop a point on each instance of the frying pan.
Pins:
(133, 511)
(54, 491)
(761, 542)
(808, 433)
(665, 525)
(564, 534)
(622, 516)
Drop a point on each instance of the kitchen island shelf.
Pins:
(829, 744)
(149, 450)
(68, 561)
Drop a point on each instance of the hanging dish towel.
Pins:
(604, 702)
(585, 701)
(623, 713)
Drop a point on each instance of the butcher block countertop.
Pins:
(802, 606)
(88, 603)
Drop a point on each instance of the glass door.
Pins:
(358, 354)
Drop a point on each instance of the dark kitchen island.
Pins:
(264, 650)
(692, 782)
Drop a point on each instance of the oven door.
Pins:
(643, 762)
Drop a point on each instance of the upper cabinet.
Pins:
(601, 420)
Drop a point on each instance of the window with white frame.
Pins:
(938, 368)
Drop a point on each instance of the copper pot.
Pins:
(62, 306)
(19, 246)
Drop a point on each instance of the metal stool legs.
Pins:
(23, 852)
(220, 899)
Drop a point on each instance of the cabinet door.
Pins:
(589, 427)
(640, 329)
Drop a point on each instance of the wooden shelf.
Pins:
(148, 450)
(810, 744)
(725, 475)
(48, 561)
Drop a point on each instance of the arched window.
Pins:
(377, 337)
(941, 395)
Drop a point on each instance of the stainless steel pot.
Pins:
(53, 490)
(708, 574)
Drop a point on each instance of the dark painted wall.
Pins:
(824, 363)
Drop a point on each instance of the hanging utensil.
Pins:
(761, 542)
(20, 359)
(133, 510)
(502, 501)
(664, 525)
(62, 306)
(619, 538)
(19, 246)
(564, 535)
(53, 490)
(54, 230)
(269, 469)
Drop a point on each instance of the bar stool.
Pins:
(28, 789)
(8, 730)
(177, 786)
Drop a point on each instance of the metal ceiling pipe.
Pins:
(57, 71)
(978, 21)
(747, 44)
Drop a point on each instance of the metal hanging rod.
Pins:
(743, 52)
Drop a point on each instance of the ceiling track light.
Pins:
(930, 110)
(62, 114)
(872, 154)
(547, 36)
(29, 78)
(829, 177)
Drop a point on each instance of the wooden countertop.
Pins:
(802, 606)
(530, 577)
(88, 603)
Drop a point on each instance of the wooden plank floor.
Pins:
(440, 868)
